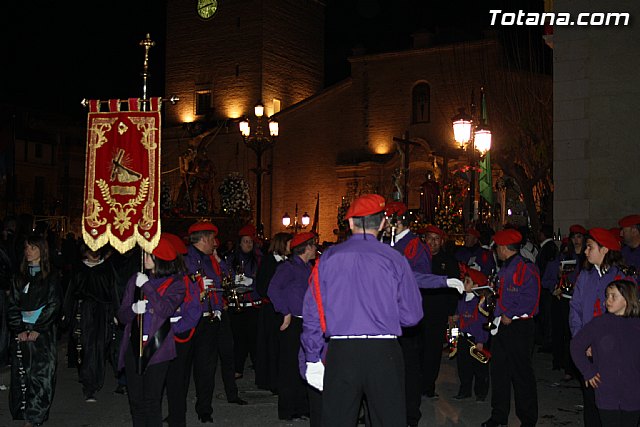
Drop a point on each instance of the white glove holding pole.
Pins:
(455, 284)
(139, 307)
(141, 279)
(208, 283)
(315, 374)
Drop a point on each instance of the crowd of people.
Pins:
(319, 325)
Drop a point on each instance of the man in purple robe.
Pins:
(361, 293)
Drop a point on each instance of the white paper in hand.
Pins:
(315, 374)
(456, 284)
(141, 279)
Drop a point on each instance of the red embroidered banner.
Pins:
(122, 176)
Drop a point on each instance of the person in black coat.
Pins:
(269, 320)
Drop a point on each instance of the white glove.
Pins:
(208, 283)
(141, 279)
(243, 280)
(139, 307)
(315, 374)
(456, 284)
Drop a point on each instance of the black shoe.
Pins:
(491, 423)
(481, 398)
(121, 389)
(461, 396)
(238, 401)
(205, 418)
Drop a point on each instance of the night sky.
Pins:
(60, 52)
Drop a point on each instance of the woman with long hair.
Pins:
(147, 306)
(269, 320)
(33, 311)
(603, 265)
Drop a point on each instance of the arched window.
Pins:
(421, 103)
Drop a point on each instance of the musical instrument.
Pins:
(488, 300)
(230, 291)
(565, 284)
(482, 356)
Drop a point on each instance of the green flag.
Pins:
(485, 184)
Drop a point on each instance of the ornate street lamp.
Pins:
(472, 132)
(259, 135)
(304, 221)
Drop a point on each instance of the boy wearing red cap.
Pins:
(286, 292)
(513, 340)
(361, 293)
(152, 301)
(631, 235)
(474, 255)
(212, 337)
(244, 262)
(471, 331)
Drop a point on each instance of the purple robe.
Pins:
(519, 288)
(364, 288)
(160, 306)
(288, 286)
(471, 320)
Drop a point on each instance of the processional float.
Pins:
(122, 178)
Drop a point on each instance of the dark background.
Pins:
(57, 52)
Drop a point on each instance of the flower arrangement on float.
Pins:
(234, 194)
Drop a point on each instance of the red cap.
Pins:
(616, 232)
(248, 230)
(509, 236)
(629, 221)
(394, 207)
(300, 238)
(478, 277)
(176, 242)
(368, 204)
(473, 232)
(577, 228)
(203, 226)
(165, 249)
(435, 230)
(605, 238)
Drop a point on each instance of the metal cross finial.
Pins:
(147, 43)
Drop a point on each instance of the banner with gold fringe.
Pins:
(122, 176)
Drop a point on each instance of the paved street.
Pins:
(557, 402)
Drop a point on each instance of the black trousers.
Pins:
(511, 365)
(612, 418)
(145, 391)
(267, 348)
(561, 336)
(544, 328)
(590, 413)
(470, 369)
(364, 367)
(411, 344)
(177, 384)
(245, 328)
(292, 389)
(211, 340)
(435, 330)
(315, 406)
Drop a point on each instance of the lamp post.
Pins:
(259, 138)
(472, 132)
(304, 221)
